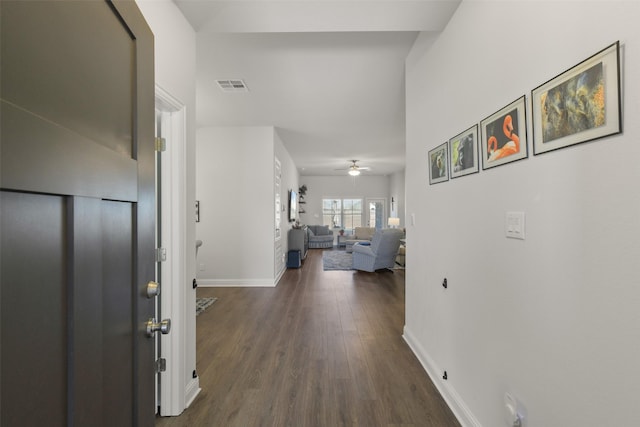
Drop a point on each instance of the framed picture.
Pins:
(438, 164)
(504, 135)
(579, 105)
(463, 149)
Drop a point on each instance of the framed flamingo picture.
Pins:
(579, 105)
(463, 153)
(504, 135)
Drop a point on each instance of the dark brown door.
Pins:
(77, 214)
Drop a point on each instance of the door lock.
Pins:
(152, 327)
(153, 289)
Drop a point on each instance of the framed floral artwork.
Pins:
(579, 105)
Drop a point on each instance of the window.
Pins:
(342, 213)
(332, 213)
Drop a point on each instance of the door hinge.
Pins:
(161, 365)
(161, 254)
(161, 144)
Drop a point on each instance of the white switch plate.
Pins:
(514, 225)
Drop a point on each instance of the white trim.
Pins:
(279, 276)
(449, 394)
(248, 283)
(173, 382)
(192, 391)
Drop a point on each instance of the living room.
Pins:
(245, 223)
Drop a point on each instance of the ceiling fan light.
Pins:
(354, 172)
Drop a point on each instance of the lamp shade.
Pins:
(354, 172)
(394, 222)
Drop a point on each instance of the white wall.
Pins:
(553, 319)
(175, 71)
(235, 187)
(340, 187)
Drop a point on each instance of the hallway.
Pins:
(323, 348)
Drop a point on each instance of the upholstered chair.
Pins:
(380, 253)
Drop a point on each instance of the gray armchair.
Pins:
(320, 236)
(381, 253)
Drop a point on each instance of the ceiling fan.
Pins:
(354, 169)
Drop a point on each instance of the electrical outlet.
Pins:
(512, 411)
(201, 268)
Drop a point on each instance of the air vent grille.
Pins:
(232, 85)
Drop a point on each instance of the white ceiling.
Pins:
(328, 74)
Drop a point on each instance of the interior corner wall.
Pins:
(289, 181)
(234, 185)
(553, 319)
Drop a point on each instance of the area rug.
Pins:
(337, 260)
(203, 303)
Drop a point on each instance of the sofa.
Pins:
(320, 237)
(378, 254)
(360, 234)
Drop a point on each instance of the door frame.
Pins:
(176, 391)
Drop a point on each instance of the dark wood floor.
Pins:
(323, 348)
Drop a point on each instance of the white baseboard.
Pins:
(191, 392)
(279, 276)
(449, 394)
(234, 283)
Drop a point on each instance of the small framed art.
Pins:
(463, 149)
(504, 135)
(579, 105)
(438, 164)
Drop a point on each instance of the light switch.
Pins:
(514, 225)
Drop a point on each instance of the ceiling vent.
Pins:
(232, 86)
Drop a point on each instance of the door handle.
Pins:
(152, 327)
(153, 289)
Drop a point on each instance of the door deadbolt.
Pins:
(153, 289)
(152, 327)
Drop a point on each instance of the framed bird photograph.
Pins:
(438, 164)
(579, 105)
(463, 153)
(504, 135)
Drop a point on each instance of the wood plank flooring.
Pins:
(323, 348)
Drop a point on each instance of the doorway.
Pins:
(376, 213)
(176, 388)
